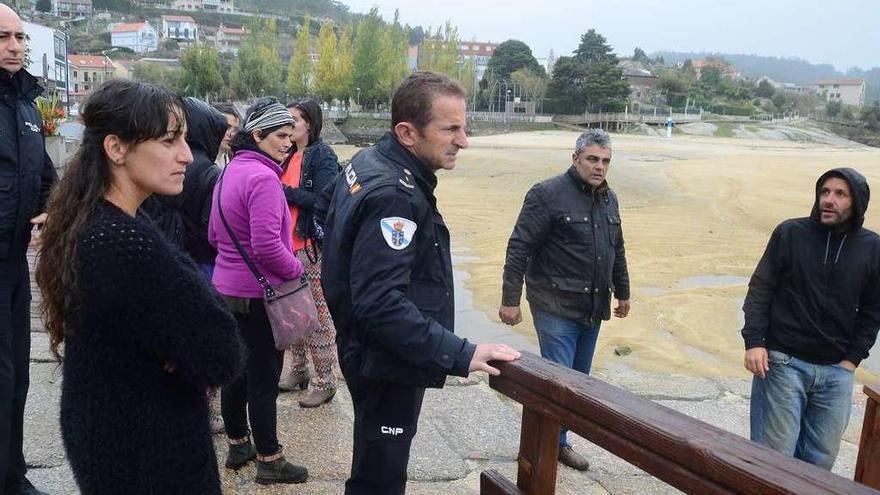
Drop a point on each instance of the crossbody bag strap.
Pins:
(267, 287)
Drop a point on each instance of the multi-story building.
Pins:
(182, 28)
(224, 6)
(138, 36)
(72, 8)
(847, 90)
(47, 49)
(229, 39)
(87, 72)
(480, 53)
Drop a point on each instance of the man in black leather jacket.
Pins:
(387, 278)
(568, 245)
(26, 177)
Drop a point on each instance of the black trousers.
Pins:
(385, 419)
(15, 352)
(253, 396)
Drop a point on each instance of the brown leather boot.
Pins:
(317, 397)
(572, 459)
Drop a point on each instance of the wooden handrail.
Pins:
(691, 455)
(868, 462)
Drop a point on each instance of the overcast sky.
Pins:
(844, 33)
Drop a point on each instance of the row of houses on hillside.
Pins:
(77, 8)
(143, 37)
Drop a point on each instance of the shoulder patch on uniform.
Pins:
(352, 179)
(397, 231)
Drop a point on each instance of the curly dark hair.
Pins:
(135, 112)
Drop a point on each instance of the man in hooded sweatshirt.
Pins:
(184, 218)
(811, 315)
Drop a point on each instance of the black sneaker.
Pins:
(240, 454)
(280, 471)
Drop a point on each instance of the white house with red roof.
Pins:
(138, 36)
(229, 39)
(182, 28)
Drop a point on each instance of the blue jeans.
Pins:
(801, 409)
(568, 343)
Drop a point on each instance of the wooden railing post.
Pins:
(690, 455)
(868, 462)
(538, 453)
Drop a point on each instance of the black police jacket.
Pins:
(568, 244)
(26, 171)
(387, 271)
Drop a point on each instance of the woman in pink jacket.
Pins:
(252, 202)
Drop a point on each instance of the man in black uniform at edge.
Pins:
(26, 176)
(387, 278)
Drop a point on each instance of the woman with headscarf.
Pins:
(248, 198)
(310, 166)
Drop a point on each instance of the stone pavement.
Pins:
(464, 428)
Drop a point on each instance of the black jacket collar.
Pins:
(20, 84)
(393, 150)
(573, 174)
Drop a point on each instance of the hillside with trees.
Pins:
(780, 69)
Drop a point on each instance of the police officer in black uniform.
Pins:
(387, 278)
(26, 176)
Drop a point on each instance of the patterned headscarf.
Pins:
(271, 116)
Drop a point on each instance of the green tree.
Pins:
(170, 44)
(765, 89)
(594, 49)
(439, 51)
(675, 86)
(511, 56)
(710, 78)
(366, 73)
(393, 60)
(416, 35)
(833, 108)
(532, 85)
(44, 5)
(200, 72)
(257, 72)
(639, 55)
(299, 72)
(323, 83)
(344, 64)
(564, 86)
(591, 80)
(870, 116)
(157, 74)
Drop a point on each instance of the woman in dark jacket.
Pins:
(144, 333)
(311, 165)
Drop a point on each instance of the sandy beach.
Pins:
(697, 212)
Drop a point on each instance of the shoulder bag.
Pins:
(290, 307)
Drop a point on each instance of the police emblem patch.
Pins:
(398, 232)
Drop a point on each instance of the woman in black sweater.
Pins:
(144, 334)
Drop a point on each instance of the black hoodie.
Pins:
(184, 218)
(816, 291)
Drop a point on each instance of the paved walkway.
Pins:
(464, 429)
